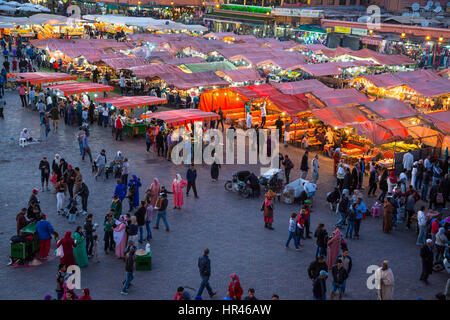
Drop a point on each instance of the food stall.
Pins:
(133, 125)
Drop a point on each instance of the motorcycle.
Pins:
(238, 184)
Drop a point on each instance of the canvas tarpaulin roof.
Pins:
(245, 92)
(264, 90)
(240, 75)
(321, 69)
(180, 61)
(394, 126)
(341, 116)
(289, 104)
(432, 88)
(210, 66)
(374, 132)
(298, 87)
(132, 101)
(42, 77)
(185, 81)
(225, 98)
(125, 62)
(391, 108)
(80, 87)
(341, 97)
(441, 120)
(181, 116)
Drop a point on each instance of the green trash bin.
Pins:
(144, 263)
(30, 229)
(21, 250)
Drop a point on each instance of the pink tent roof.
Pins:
(395, 127)
(339, 51)
(341, 97)
(153, 70)
(185, 81)
(387, 80)
(313, 47)
(381, 58)
(391, 108)
(303, 86)
(340, 116)
(42, 77)
(187, 60)
(286, 60)
(132, 101)
(289, 103)
(264, 90)
(125, 62)
(441, 120)
(181, 116)
(374, 132)
(241, 75)
(80, 87)
(432, 88)
(321, 69)
(245, 92)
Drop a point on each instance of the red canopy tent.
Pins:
(264, 90)
(79, 87)
(341, 97)
(297, 87)
(132, 101)
(394, 126)
(240, 75)
(341, 116)
(181, 116)
(245, 92)
(41, 77)
(391, 108)
(289, 104)
(374, 132)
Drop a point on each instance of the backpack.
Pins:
(132, 190)
(439, 198)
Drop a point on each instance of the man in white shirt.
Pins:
(422, 223)
(49, 101)
(105, 116)
(100, 110)
(408, 160)
(263, 114)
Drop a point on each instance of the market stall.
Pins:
(34, 78)
(181, 117)
(71, 88)
(126, 106)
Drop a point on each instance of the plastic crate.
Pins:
(144, 263)
(22, 250)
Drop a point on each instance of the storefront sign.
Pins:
(288, 12)
(359, 32)
(342, 30)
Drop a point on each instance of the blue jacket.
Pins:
(191, 175)
(360, 209)
(44, 229)
(120, 191)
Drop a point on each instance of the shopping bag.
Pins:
(59, 252)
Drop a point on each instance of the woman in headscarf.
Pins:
(334, 247)
(86, 295)
(154, 189)
(267, 207)
(69, 294)
(177, 188)
(80, 252)
(120, 237)
(441, 242)
(215, 171)
(56, 166)
(235, 289)
(387, 216)
(117, 167)
(67, 244)
(133, 191)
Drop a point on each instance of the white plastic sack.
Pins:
(299, 185)
(271, 172)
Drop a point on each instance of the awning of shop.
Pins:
(374, 132)
(441, 120)
(289, 104)
(391, 108)
(384, 59)
(245, 92)
(394, 126)
(180, 61)
(432, 88)
(241, 75)
(314, 47)
(264, 90)
(322, 69)
(80, 87)
(125, 62)
(132, 101)
(341, 116)
(210, 66)
(303, 86)
(339, 51)
(387, 80)
(181, 116)
(342, 97)
(41, 77)
(185, 81)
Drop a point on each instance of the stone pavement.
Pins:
(231, 227)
